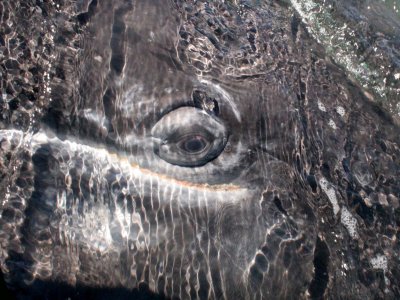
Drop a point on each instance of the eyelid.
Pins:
(187, 119)
(177, 134)
(153, 110)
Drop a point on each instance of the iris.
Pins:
(193, 144)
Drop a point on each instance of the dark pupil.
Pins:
(194, 144)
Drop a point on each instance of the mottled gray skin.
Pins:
(301, 201)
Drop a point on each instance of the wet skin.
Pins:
(194, 180)
(188, 225)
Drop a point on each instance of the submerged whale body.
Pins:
(197, 150)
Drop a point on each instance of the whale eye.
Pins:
(193, 144)
(188, 137)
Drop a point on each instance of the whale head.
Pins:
(196, 150)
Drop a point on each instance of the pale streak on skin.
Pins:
(138, 171)
(158, 208)
(151, 194)
(209, 276)
(187, 184)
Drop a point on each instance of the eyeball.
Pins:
(188, 137)
(192, 144)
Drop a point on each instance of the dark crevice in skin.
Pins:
(299, 164)
(262, 123)
(83, 18)
(294, 25)
(108, 103)
(321, 277)
(251, 36)
(58, 121)
(245, 76)
(118, 40)
(211, 38)
(302, 89)
(309, 142)
(256, 277)
(326, 170)
(312, 182)
(278, 204)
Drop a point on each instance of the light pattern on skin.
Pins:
(349, 222)
(330, 192)
(197, 150)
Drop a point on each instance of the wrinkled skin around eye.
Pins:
(189, 137)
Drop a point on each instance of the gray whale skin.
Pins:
(198, 150)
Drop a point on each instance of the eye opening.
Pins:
(189, 137)
(193, 144)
